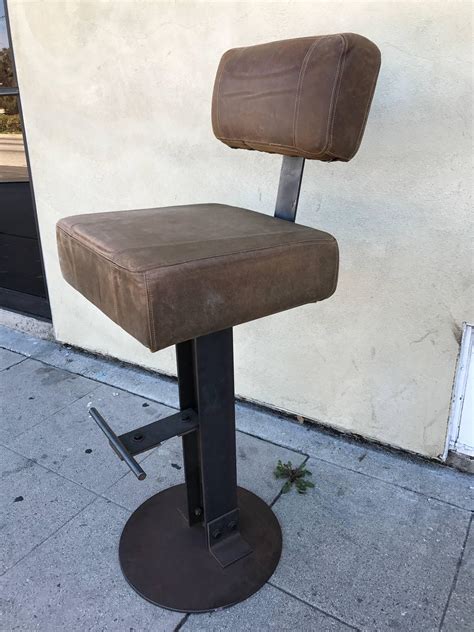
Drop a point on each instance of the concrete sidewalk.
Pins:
(383, 542)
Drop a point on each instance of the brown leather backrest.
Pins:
(305, 97)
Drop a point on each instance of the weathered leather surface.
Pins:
(305, 97)
(166, 275)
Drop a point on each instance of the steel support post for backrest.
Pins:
(289, 187)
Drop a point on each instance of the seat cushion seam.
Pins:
(277, 220)
(223, 239)
(97, 253)
(234, 255)
(336, 273)
(271, 233)
(170, 265)
(150, 314)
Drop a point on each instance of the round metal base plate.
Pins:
(168, 563)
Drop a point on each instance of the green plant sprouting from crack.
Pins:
(295, 475)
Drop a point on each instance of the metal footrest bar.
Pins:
(117, 445)
(129, 444)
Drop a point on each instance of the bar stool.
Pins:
(185, 275)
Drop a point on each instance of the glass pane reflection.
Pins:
(12, 152)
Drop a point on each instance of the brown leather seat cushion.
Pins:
(166, 275)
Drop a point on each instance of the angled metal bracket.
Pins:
(127, 445)
(224, 539)
(149, 436)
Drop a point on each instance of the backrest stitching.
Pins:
(304, 65)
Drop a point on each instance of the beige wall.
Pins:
(116, 100)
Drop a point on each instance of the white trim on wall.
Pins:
(461, 416)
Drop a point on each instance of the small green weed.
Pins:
(295, 475)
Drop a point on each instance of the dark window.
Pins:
(22, 283)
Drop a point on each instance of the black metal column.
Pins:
(227, 549)
(191, 455)
(214, 382)
(213, 361)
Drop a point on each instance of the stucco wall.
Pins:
(116, 99)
